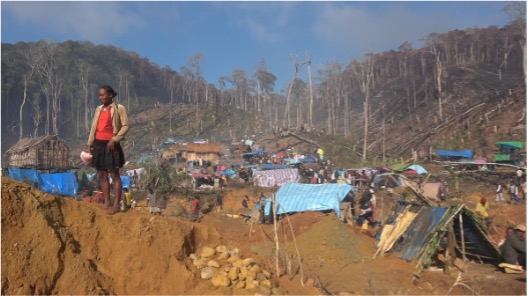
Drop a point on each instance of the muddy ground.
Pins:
(57, 245)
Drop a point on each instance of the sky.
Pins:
(233, 35)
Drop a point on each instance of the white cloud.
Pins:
(94, 21)
(362, 30)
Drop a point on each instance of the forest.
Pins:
(50, 88)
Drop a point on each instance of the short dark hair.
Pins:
(109, 90)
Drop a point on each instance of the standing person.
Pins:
(514, 193)
(499, 196)
(245, 202)
(109, 126)
(219, 201)
(128, 199)
(195, 208)
(442, 191)
(151, 199)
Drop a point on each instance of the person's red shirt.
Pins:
(105, 130)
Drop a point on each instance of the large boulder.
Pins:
(207, 273)
(221, 280)
(207, 252)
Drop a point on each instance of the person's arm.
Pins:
(517, 244)
(124, 124)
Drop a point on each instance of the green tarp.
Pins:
(509, 145)
(502, 157)
(400, 167)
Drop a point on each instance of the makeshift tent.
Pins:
(269, 166)
(255, 153)
(417, 169)
(298, 197)
(509, 145)
(400, 167)
(502, 157)
(273, 178)
(453, 154)
(419, 234)
(55, 183)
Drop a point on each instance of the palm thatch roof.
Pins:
(28, 143)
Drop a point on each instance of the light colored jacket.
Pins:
(119, 123)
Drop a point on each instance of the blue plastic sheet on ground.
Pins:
(417, 233)
(59, 183)
(298, 197)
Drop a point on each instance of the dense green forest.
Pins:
(50, 88)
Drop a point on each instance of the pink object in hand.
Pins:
(86, 157)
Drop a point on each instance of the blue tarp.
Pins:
(417, 233)
(445, 154)
(126, 181)
(298, 197)
(229, 172)
(257, 152)
(29, 176)
(56, 183)
(417, 168)
(268, 166)
(309, 159)
(59, 183)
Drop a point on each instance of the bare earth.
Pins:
(56, 245)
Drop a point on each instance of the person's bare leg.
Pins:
(118, 188)
(105, 188)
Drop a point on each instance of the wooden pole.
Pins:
(273, 211)
(462, 239)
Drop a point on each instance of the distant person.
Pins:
(195, 207)
(162, 205)
(442, 191)
(245, 201)
(514, 193)
(127, 199)
(514, 248)
(151, 199)
(219, 201)
(499, 197)
(109, 126)
(482, 210)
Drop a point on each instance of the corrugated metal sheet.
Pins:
(418, 232)
(297, 197)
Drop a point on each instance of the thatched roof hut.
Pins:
(193, 151)
(42, 153)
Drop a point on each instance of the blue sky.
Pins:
(238, 34)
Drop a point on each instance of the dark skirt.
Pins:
(105, 160)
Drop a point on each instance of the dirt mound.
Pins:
(54, 245)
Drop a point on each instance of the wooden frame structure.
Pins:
(41, 153)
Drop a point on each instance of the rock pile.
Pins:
(226, 268)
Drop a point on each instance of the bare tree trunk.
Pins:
(310, 113)
(21, 113)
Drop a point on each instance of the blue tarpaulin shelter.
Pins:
(55, 183)
(417, 168)
(452, 154)
(269, 166)
(298, 197)
(255, 153)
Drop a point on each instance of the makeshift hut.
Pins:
(272, 178)
(41, 153)
(454, 155)
(509, 152)
(297, 197)
(194, 151)
(420, 232)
